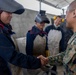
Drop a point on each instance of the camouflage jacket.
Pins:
(67, 58)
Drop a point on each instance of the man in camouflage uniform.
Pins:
(68, 58)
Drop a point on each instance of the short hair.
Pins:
(59, 16)
(72, 6)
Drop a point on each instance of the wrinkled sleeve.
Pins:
(57, 59)
(8, 53)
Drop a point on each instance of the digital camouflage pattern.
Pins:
(67, 58)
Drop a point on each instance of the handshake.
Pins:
(44, 60)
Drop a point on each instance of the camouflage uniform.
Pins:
(67, 58)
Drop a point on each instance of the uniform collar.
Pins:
(36, 31)
(56, 26)
(7, 29)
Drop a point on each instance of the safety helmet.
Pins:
(41, 17)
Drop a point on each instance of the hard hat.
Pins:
(41, 17)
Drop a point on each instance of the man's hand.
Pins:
(43, 59)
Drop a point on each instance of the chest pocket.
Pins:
(69, 54)
(39, 46)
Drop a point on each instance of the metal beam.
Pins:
(49, 4)
(40, 4)
(40, 1)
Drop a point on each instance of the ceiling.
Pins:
(57, 3)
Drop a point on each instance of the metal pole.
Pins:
(63, 11)
(40, 4)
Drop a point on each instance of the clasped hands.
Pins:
(44, 60)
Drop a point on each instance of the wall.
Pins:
(22, 23)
